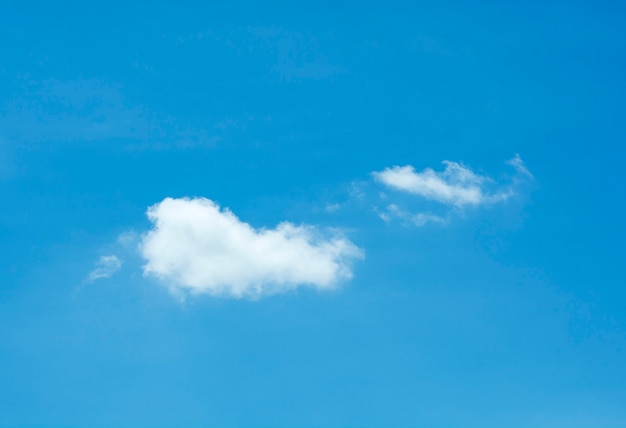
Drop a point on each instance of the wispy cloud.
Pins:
(331, 208)
(447, 191)
(298, 56)
(393, 211)
(87, 111)
(106, 266)
(519, 165)
(291, 56)
(457, 185)
(67, 111)
(198, 247)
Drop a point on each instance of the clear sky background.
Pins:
(493, 296)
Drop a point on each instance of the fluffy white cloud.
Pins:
(198, 247)
(106, 266)
(457, 185)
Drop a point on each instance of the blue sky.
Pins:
(281, 215)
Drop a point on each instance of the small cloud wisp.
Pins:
(457, 185)
(106, 267)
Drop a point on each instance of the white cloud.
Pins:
(519, 165)
(128, 238)
(198, 247)
(457, 185)
(106, 266)
(331, 208)
(420, 219)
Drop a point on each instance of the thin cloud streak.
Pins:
(106, 267)
(457, 185)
